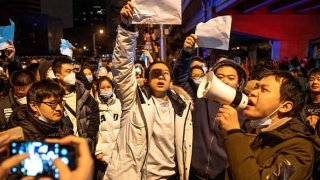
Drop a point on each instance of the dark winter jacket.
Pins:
(87, 114)
(36, 130)
(7, 105)
(286, 152)
(209, 159)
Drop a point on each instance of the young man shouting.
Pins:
(283, 145)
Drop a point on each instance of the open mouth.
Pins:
(250, 103)
(160, 83)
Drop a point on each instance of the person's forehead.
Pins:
(196, 70)
(226, 70)
(159, 66)
(67, 66)
(270, 81)
(195, 62)
(105, 83)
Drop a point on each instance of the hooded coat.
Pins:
(209, 159)
(129, 156)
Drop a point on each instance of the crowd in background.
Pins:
(142, 118)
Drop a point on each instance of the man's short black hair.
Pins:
(21, 78)
(198, 58)
(259, 70)
(152, 64)
(313, 71)
(58, 62)
(290, 90)
(44, 89)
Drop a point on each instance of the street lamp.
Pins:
(94, 41)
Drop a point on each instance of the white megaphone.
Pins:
(214, 89)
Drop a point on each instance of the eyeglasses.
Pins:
(53, 105)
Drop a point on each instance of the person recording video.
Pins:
(84, 169)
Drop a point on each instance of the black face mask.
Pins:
(156, 73)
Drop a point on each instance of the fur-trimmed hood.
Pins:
(181, 92)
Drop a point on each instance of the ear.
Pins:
(58, 75)
(286, 107)
(33, 106)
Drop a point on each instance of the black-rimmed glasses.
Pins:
(53, 105)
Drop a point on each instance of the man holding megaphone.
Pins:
(283, 146)
(209, 159)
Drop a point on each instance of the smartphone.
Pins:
(39, 163)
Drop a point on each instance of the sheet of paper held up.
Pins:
(6, 33)
(215, 33)
(66, 48)
(157, 12)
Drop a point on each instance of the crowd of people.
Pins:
(135, 120)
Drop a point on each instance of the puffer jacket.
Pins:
(286, 152)
(109, 126)
(87, 114)
(138, 114)
(209, 159)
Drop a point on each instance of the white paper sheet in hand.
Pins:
(215, 33)
(66, 48)
(157, 12)
(6, 33)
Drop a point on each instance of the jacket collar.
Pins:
(81, 93)
(178, 104)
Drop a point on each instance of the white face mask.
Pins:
(205, 69)
(51, 75)
(197, 81)
(89, 78)
(263, 122)
(70, 79)
(44, 119)
(22, 100)
(106, 94)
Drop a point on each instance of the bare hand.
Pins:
(228, 118)
(10, 51)
(190, 41)
(9, 163)
(85, 163)
(126, 13)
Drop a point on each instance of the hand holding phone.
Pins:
(85, 165)
(9, 163)
(39, 163)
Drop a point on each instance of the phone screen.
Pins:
(39, 163)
